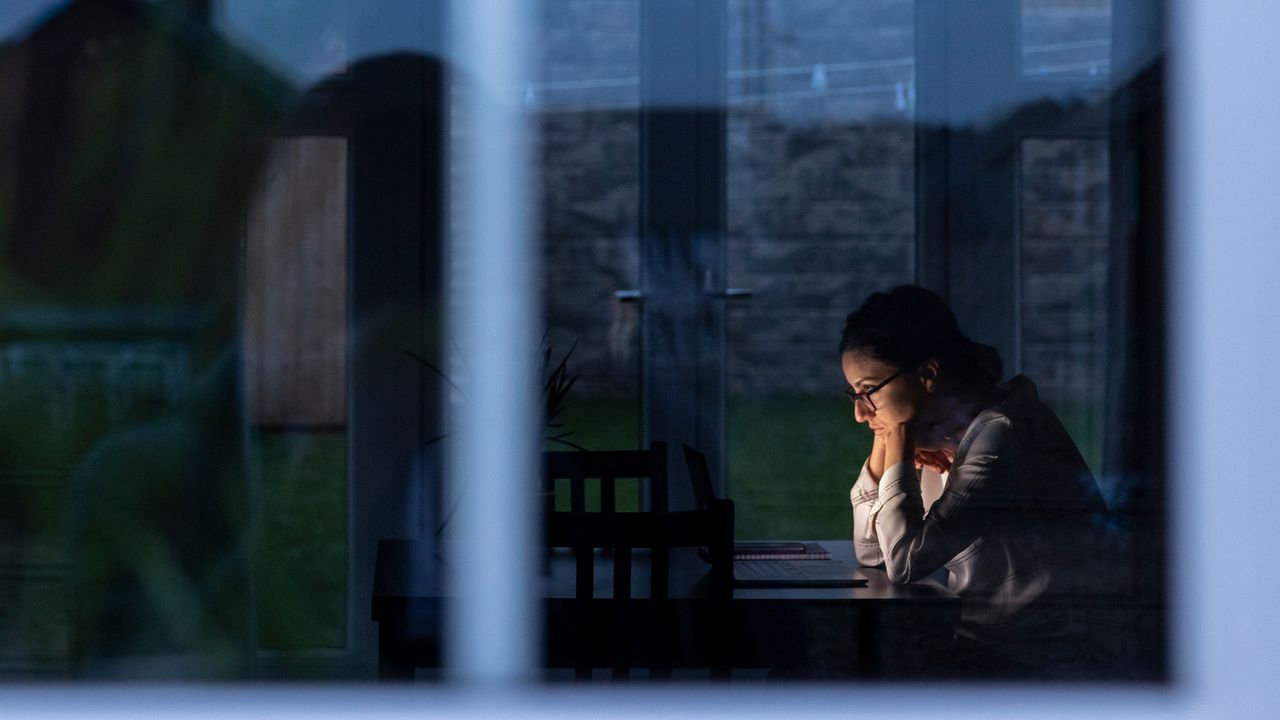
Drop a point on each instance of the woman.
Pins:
(1008, 505)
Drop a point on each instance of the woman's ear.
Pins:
(929, 375)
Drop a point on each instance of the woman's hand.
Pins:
(938, 460)
(875, 462)
(898, 444)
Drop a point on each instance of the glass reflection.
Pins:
(1066, 39)
(223, 263)
(820, 212)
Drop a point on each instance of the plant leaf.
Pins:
(435, 370)
(566, 443)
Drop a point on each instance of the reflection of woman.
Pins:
(1005, 503)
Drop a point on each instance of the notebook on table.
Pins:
(771, 550)
(795, 573)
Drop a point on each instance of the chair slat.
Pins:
(621, 573)
(658, 575)
(583, 592)
(584, 587)
(658, 485)
(621, 601)
(578, 494)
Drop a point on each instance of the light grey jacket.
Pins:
(1019, 524)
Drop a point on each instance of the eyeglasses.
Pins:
(865, 395)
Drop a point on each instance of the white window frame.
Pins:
(1223, 389)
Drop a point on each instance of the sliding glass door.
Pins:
(821, 211)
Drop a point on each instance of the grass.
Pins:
(601, 424)
(301, 556)
(792, 459)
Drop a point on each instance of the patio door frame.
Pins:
(390, 110)
(682, 227)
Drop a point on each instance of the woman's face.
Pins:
(896, 403)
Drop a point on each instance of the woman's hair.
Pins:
(908, 325)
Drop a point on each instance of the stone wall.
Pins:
(1065, 259)
(820, 194)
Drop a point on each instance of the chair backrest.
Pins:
(621, 532)
(607, 466)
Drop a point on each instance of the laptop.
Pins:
(763, 572)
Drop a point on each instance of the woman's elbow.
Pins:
(898, 575)
(868, 554)
(903, 572)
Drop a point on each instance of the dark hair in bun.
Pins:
(908, 325)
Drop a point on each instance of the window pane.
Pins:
(820, 213)
(212, 243)
(227, 251)
(295, 320)
(1066, 39)
(585, 109)
(305, 40)
(1066, 249)
(126, 163)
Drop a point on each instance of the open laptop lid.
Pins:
(700, 475)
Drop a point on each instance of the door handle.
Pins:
(727, 293)
(709, 287)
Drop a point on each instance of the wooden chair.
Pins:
(620, 533)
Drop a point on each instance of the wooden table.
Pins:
(880, 630)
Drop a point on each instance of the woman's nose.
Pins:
(861, 413)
